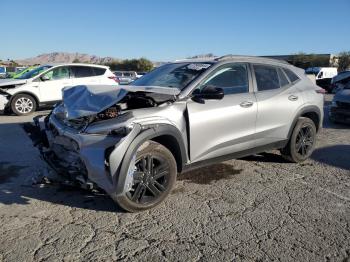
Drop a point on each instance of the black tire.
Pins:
(23, 104)
(147, 184)
(302, 142)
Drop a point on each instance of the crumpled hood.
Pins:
(88, 100)
(342, 96)
(8, 82)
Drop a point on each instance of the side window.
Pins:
(99, 71)
(266, 77)
(283, 79)
(82, 71)
(233, 79)
(57, 73)
(292, 76)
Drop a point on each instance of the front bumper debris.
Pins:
(88, 158)
(3, 103)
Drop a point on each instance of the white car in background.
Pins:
(23, 96)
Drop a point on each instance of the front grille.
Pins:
(343, 105)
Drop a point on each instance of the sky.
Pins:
(163, 30)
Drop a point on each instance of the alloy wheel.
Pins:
(24, 105)
(150, 179)
(304, 141)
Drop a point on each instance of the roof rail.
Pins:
(226, 57)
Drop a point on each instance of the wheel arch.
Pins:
(312, 112)
(165, 134)
(25, 93)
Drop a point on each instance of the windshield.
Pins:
(177, 75)
(34, 72)
(2, 69)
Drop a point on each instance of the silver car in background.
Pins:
(125, 77)
(132, 141)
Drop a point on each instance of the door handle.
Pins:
(292, 98)
(246, 104)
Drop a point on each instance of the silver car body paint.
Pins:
(208, 130)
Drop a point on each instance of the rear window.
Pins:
(266, 77)
(82, 71)
(99, 71)
(292, 76)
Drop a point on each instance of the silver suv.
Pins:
(132, 141)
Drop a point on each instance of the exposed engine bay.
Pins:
(109, 101)
(133, 101)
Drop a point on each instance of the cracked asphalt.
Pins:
(259, 208)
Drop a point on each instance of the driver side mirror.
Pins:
(208, 93)
(44, 78)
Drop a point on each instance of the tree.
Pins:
(139, 65)
(76, 60)
(343, 61)
(303, 60)
(13, 63)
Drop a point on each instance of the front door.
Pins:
(52, 83)
(221, 127)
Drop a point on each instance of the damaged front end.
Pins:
(86, 136)
(4, 100)
(5, 96)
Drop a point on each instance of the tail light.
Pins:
(321, 91)
(116, 79)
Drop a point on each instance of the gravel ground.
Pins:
(257, 208)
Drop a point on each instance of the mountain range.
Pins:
(64, 57)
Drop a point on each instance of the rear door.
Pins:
(278, 101)
(221, 127)
(52, 82)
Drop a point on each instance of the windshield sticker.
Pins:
(197, 66)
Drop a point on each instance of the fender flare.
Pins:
(307, 109)
(148, 133)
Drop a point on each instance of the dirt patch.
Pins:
(8, 171)
(178, 190)
(206, 175)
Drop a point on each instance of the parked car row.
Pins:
(43, 85)
(10, 71)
